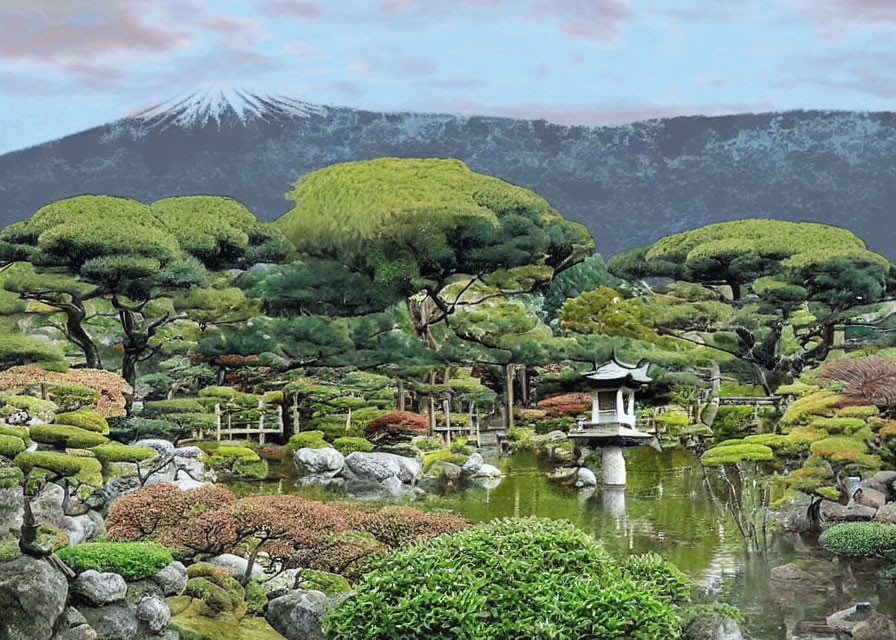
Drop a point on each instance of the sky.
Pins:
(67, 65)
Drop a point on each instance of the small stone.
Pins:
(585, 478)
(112, 622)
(153, 611)
(236, 565)
(472, 464)
(98, 588)
(487, 471)
(298, 614)
(326, 461)
(172, 579)
(836, 512)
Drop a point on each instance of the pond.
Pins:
(668, 509)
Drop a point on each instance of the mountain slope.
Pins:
(629, 184)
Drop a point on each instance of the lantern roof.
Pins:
(616, 371)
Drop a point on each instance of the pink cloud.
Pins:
(231, 25)
(82, 30)
(864, 9)
(292, 9)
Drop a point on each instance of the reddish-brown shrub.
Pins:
(566, 404)
(871, 379)
(396, 526)
(400, 421)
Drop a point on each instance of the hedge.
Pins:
(131, 560)
(177, 405)
(349, 444)
(117, 452)
(861, 539)
(85, 470)
(306, 440)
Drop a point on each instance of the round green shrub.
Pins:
(176, 405)
(860, 539)
(18, 432)
(733, 421)
(847, 426)
(85, 419)
(239, 461)
(131, 560)
(349, 444)
(64, 437)
(532, 578)
(330, 583)
(735, 453)
(11, 446)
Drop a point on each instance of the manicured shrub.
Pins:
(806, 408)
(117, 452)
(396, 526)
(796, 389)
(737, 453)
(654, 571)
(33, 406)
(508, 579)
(563, 423)
(11, 446)
(177, 405)
(567, 404)
(218, 591)
(427, 444)
(839, 448)
(129, 429)
(442, 456)
(72, 396)
(348, 444)
(239, 461)
(862, 411)
(132, 560)
(63, 437)
(861, 539)
(85, 419)
(399, 423)
(869, 379)
(109, 387)
(846, 426)
(306, 440)
(84, 470)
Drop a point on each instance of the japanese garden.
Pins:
(420, 405)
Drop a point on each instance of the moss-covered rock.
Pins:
(18, 432)
(349, 444)
(117, 452)
(85, 419)
(11, 446)
(239, 461)
(736, 453)
(63, 437)
(83, 469)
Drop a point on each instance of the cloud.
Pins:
(869, 72)
(82, 30)
(292, 9)
(872, 10)
(231, 25)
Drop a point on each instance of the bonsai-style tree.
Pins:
(132, 256)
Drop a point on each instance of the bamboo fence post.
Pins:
(217, 422)
(261, 409)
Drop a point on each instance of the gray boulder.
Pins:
(12, 507)
(160, 446)
(153, 612)
(172, 579)
(190, 452)
(97, 588)
(236, 565)
(881, 481)
(112, 622)
(393, 486)
(472, 464)
(877, 627)
(845, 620)
(487, 471)
(444, 470)
(378, 466)
(326, 462)
(836, 512)
(886, 514)
(32, 598)
(555, 436)
(585, 478)
(47, 509)
(281, 584)
(298, 614)
(73, 626)
(870, 497)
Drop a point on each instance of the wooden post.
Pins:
(280, 418)
(218, 422)
(446, 408)
(524, 385)
(510, 375)
(43, 391)
(348, 420)
(400, 391)
(295, 414)
(478, 438)
(261, 409)
(431, 409)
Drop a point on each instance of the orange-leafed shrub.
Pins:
(395, 526)
(397, 421)
(110, 386)
(871, 379)
(566, 404)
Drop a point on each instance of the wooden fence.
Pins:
(233, 421)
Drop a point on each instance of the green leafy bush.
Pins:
(306, 440)
(34, 406)
(239, 461)
(864, 411)
(532, 578)
(132, 560)
(117, 452)
(860, 539)
(846, 426)
(733, 422)
(459, 445)
(425, 443)
(72, 395)
(83, 469)
(330, 583)
(11, 446)
(85, 419)
(348, 444)
(737, 453)
(129, 429)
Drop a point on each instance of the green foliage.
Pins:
(117, 452)
(330, 583)
(34, 406)
(729, 388)
(18, 432)
(427, 444)
(85, 419)
(735, 453)
(459, 446)
(131, 560)
(860, 539)
(368, 216)
(804, 409)
(490, 581)
(129, 429)
(864, 411)
(176, 405)
(86, 470)
(588, 275)
(63, 437)
(306, 440)
(18, 349)
(848, 450)
(239, 461)
(733, 421)
(838, 424)
(604, 311)
(11, 446)
(442, 456)
(348, 444)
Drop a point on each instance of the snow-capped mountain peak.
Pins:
(223, 104)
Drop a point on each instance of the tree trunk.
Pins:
(400, 392)
(510, 375)
(80, 338)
